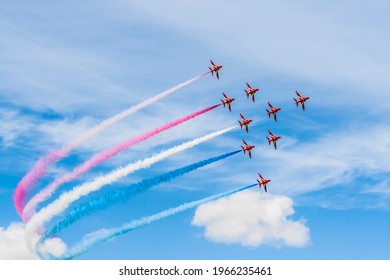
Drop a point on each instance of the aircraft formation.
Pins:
(244, 123)
(36, 217)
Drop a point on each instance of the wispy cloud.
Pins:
(335, 158)
(353, 156)
(12, 126)
(301, 40)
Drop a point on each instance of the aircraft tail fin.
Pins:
(296, 102)
(269, 113)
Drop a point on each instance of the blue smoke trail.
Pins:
(91, 240)
(124, 194)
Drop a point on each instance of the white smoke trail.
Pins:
(61, 203)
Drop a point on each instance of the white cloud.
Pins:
(13, 245)
(252, 219)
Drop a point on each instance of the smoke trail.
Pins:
(40, 167)
(36, 172)
(91, 240)
(61, 203)
(124, 194)
(29, 209)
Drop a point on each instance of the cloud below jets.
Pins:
(252, 219)
(13, 245)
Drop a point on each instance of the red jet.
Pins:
(273, 138)
(263, 182)
(251, 91)
(244, 122)
(215, 69)
(227, 101)
(272, 111)
(301, 100)
(247, 148)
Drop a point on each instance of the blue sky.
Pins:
(64, 67)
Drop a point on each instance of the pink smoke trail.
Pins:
(43, 163)
(30, 207)
(38, 171)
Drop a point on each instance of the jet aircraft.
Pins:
(272, 138)
(301, 100)
(272, 110)
(227, 101)
(251, 91)
(214, 69)
(263, 182)
(247, 148)
(244, 122)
